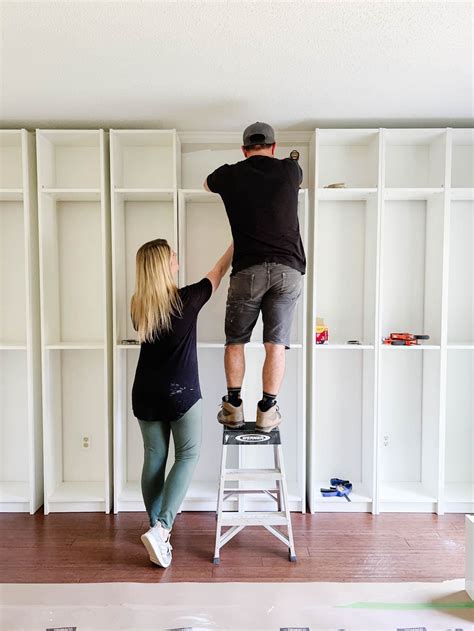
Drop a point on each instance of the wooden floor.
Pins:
(69, 548)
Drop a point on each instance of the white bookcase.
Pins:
(75, 303)
(144, 207)
(457, 483)
(411, 265)
(21, 452)
(157, 161)
(204, 235)
(344, 275)
(393, 252)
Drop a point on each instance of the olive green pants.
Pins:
(163, 496)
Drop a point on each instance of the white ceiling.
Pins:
(222, 65)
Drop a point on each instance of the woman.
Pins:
(166, 396)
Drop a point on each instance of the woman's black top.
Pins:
(166, 381)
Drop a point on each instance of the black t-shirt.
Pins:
(166, 381)
(260, 195)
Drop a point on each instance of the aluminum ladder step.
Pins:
(252, 474)
(258, 518)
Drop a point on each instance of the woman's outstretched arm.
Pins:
(220, 268)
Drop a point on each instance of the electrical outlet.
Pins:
(386, 440)
(86, 441)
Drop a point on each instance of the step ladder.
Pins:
(238, 520)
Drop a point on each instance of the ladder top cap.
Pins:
(249, 435)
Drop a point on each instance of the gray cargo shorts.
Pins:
(271, 288)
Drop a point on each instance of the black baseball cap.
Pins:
(259, 134)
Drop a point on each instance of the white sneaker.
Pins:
(157, 543)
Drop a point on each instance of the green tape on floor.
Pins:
(406, 606)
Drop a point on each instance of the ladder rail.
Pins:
(276, 457)
(220, 503)
(286, 506)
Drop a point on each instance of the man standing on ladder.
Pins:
(260, 195)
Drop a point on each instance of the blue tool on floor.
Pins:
(338, 488)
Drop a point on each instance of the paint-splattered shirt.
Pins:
(166, 381)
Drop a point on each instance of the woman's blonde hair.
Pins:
(156, 296)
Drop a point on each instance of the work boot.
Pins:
(266, 421)
(230, 415)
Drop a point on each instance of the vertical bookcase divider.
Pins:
(107, 285)
(302, 363)
(177, 160)
(311, 488)
(310, 254)
(21, 458)
(377, 333)
(34, 330)
(440, 468)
